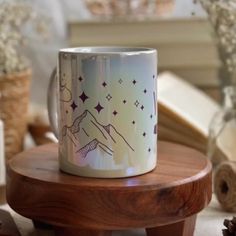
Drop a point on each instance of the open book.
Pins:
(185, 112)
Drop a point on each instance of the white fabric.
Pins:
(209, 222)
(43, 54)
(75, 10)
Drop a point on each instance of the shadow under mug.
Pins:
(102, 104)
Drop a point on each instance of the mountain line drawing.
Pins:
(91, 146)
(66, 95)
(87, 135)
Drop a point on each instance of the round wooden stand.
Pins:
(164, 201)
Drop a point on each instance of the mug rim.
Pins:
(108, 50)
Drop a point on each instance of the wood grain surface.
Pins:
(179, 187)
(60, 231)
(182, 228)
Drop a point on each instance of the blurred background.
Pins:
(188, 36)
(196, 43)
(177, 28)
(196, 46)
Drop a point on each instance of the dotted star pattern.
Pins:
(123, 97)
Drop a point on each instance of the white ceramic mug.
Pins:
(107, 110)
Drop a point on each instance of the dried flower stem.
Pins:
(14, 16)
(222, 15)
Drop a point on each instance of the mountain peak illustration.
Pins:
(88, 134)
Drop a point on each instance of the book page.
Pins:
(186, 101)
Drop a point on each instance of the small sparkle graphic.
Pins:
(120, 81)
(149, 149)
(124, 101)
(151, 116)
(99, 108)
(142, 107)
(80, 79)
(73, 106)
(136, 103)
(134, 82)
(83, 97)
(115, 113)
(104, 84)
(144, 134)
(133, 122)
(145, 91)
(108, 97)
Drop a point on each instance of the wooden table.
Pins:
(164, 201)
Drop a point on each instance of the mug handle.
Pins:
(52, 98)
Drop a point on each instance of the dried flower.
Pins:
(222, 15)
(15, 16)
